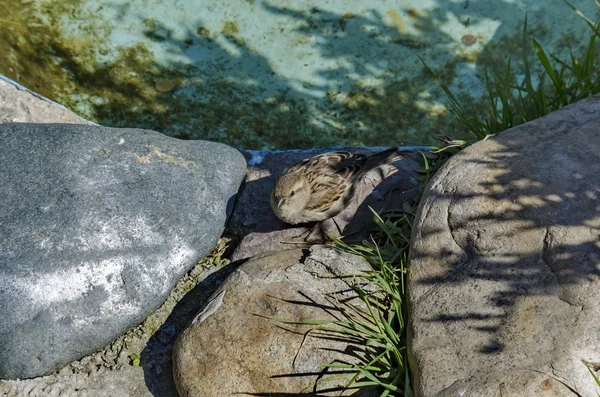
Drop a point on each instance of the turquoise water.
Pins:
(279, 74)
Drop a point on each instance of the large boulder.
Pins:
(238, 343)
(96, 226)
(505, 264)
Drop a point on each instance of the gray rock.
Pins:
(96, 226)
(101, 383)
(19, 105)
(505, 264)
(382, 189)
(237, 345)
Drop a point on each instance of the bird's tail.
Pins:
(384, 157)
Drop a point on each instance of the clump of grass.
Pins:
(375, 321)
(511, 101)
(374, 325)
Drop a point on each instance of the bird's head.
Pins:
(291, 193)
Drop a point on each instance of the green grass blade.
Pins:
(541, 54)
(586, 19)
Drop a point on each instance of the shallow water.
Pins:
(279, 74)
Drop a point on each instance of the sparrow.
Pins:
(322, 186)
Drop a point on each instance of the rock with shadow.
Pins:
(381, 189)
(96, 226)
(505, 264)
(248, 340)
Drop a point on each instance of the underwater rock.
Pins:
(469, 39)
(96, 226)
(505, 264)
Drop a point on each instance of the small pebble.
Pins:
(165, 85)
(469, 39)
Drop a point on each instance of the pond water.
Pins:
(273, 74)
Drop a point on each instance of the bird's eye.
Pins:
(292, 193)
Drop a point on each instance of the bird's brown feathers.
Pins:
(327, 181)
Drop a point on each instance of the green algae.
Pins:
(230, 29)
(129, 87)
(203, 32)
(400, 112)
(150, 30)
(133, 90)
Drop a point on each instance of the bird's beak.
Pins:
(280, 202)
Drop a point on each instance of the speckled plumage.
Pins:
(320, 187)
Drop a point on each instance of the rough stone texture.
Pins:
(505, 264)
(19, 105)
(97, 226)
(253, 218)
(100, 383)
(236, 346)
(109, 372)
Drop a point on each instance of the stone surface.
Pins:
(253, 218)
(236, 345)
(100, 383)
(104, 373)
(505, 264)
(97, 225)
(19, 105)
(110, 372)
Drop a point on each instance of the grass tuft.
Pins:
(378, 318)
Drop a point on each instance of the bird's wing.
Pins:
(332, 162)
(331, 176)
(327, 189)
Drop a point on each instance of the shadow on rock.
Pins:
(156, 356)
(505, 260)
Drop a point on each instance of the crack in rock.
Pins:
(546, 259)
